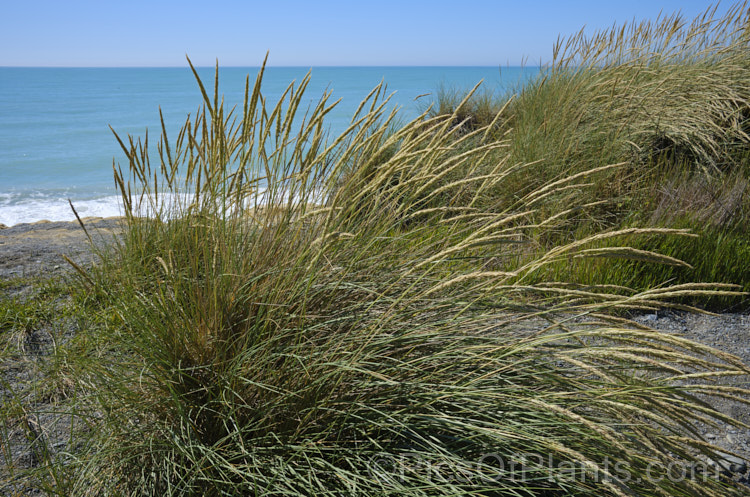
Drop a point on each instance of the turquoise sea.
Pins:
(55, 141)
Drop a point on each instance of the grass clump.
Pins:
(668, 102)
(296, 318)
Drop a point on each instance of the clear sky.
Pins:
(305, 33)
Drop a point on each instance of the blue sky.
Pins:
(305, 33)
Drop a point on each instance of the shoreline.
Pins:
(27, 225)
(38, 206)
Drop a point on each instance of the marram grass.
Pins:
(660, 109)
(313, 315)
(383, 312)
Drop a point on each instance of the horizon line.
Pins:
(290, 66)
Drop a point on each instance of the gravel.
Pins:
(37, 249)
(729, 333)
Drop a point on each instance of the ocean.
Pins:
(55, 137)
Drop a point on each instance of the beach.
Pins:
(492, 276)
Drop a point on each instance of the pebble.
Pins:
(729, 464)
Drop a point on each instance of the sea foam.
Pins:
(30, 209)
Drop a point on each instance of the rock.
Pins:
(729, 464)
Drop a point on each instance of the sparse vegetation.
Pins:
(422, 309)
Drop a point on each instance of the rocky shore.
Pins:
(30, 251)
(37, 249)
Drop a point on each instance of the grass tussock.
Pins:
(667, 100)
(376, 313)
